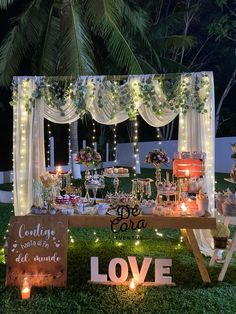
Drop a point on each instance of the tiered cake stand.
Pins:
(115, 177)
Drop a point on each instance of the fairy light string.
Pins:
(69, 147)
(49, 143)
(94, 135)
(114, 129)
(135, 143)
(159, 136)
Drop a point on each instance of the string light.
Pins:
(49, 143)
(114, 142)
(69, 146)
(94, 135)
(21, 120)
(135, 143)
(72, 239)
(159, 136)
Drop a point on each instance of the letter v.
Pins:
(139, 277)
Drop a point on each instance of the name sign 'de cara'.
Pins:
(125, 220)
(162, 268)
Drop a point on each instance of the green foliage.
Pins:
(20, 39)
(221, 231)
(4, 4)
(76, 51)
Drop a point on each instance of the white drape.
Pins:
(196, 131)
(28, 148)
(104, 115)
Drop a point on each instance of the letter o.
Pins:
(112, 270)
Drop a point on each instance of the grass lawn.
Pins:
(189, 296)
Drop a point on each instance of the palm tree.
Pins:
(80, 37)
(62, 37)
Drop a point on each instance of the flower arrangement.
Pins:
(88, 156)
(220, 235)
(157, 156)
(49, 187)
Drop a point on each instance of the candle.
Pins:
(25, 293)
(58, 169)
(167, 177)
(187, 173)
(25, 289)
(132, 285)
(184, 209)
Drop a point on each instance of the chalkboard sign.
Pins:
(37, 249)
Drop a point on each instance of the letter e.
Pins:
(162, 266)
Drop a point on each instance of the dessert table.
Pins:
(185, 224)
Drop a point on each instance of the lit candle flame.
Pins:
(183, 207)
(132, 284)
(59, 169)
(25, 290)
(25, 293)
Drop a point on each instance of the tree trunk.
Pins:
(171, 130)
(226, 91)
(74, 137)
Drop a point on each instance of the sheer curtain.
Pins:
(28, 148)
(197, 133)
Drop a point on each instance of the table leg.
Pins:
(198, 256)
(185, 237)
(227, 259)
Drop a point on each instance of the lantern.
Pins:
(188, 168)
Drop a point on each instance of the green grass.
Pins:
(189, 296)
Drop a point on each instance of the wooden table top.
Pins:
(152, 221)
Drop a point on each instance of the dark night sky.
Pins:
(146, 133)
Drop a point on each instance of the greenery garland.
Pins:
(179, 94)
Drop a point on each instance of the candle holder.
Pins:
(115, 177)
(86, 180)
(141, 187)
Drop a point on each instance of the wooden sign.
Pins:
(37, 249)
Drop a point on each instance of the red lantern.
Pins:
(188, 168)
